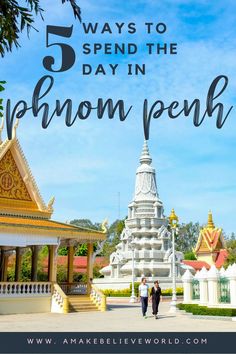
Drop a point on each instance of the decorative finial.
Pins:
(210, 223)
(50, 204)
(104, 226)
(173, 218)
(145, 156)
(14, 128)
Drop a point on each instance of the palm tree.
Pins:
(15, 18)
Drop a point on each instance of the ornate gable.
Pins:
(12, 185)
(210, 238)
(19, 194)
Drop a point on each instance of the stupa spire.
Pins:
(210, 223)
(145, 185)
(145, 156)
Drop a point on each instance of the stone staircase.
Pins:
(81, 303)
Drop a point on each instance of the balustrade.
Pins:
(74, 288)
(98, 298)
(25, 289)
(60, 302)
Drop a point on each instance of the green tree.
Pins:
(231, 248)
(230, 237)
(18, 15)
(187, 237)
(113, 237)
(115, 230)
(82, 250)
(87, 224)
(26, 266)
(190, 256)
(63, 251)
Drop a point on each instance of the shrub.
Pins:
(127, 292)
(96, 271)
(61, 273)
(190, 256)
(117, 293)
(168, 292)
(165, 292)
(136, 286)
(207, 311)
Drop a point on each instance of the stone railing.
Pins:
(98, 298)
(213, 288)
(24, 289)
(74, 288)
(60, 302)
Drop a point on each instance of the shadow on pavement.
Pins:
(160, 317)
(111, 307)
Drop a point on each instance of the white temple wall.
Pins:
(212, 288)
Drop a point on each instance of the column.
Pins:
(52, 263)
(70, 267)
(34, 262)
(188, 287)
(231, 275)
(18, 264)
(203, 286)
(89, 266)
(213, 291)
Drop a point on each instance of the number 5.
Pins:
(68, 54)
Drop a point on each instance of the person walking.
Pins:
(143, 293)
(156, 298)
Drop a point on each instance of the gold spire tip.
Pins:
(210, 223)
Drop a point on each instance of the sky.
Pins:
(90, 167)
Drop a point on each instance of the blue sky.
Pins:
(87, 165)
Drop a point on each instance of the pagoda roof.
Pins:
(22, 209)
(19, 193)
(210, 238)
(219, 262)
(46, 227)
(197, 265)
(221, 258)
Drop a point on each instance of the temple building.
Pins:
(145, 240)
(26, 224)
(210, 248)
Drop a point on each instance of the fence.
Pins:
(21, 289)
(213, 287)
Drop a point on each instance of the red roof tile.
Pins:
(221, 258)
(80, 262)
(197, 265)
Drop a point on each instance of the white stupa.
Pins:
(146, 228)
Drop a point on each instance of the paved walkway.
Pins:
(120, 317)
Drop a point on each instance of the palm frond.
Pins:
(75, 7)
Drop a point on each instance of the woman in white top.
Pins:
(143, 293)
